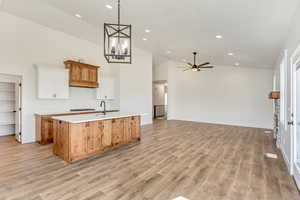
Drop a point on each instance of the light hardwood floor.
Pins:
(175, 158)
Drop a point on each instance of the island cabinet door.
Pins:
(106, 129)
(61, 139)
(127, 131)
(78, 141)
(94, 136)
(117, 132)
(136, 127)
(98, 135)
(47, 130)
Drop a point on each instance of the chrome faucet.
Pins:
(101, 104)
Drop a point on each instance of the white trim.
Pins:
(16, 79)
(283, 119)
(297, 180)
(294, 62)
(297, 177)
(215, 123)
(286, 160)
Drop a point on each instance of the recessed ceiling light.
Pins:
(147, 31)
(168, 51)
(109, 6)
(219, 36)
(237, 64)
(184, 60)
(78, 16)
(230, 54)
(145, 39)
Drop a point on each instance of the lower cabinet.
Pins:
(135, 124)
(125, 130)
(46, 127)
(118, 132)
(61, 139)
(76, 141)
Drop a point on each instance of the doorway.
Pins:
(10, 110)
(297, 132)
(160, 99)
(295, 147)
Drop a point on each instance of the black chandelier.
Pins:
(117, 42)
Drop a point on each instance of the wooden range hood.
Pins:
(82, 74)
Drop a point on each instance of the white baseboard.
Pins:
(296, 175)
(147, 119)
(287, 161)
(217, 123)
(297, 180)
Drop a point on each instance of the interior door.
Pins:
(297, 126)
(18, 124)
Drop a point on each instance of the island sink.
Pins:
(81, 136)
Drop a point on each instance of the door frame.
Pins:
(17, 80)
(294, 62)
(283, 88)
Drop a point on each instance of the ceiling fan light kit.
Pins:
(117, 42)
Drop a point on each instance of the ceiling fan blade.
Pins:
(187, 69)
(206, 63)
(190, 64)
(206, 67)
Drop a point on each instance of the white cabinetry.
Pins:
(106, 88)
(53, 83)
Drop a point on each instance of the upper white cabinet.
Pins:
(52, 83)
(106, 88)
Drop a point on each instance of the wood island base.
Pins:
(75, 141)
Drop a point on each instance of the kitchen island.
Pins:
(80, 136)
(44, 122)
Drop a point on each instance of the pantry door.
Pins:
(18, 111)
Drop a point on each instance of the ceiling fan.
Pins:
(197, 68)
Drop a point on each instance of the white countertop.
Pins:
(94, 117)
(69, 112)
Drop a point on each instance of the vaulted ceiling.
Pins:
(254, 31)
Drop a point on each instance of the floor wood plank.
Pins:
(174, 158)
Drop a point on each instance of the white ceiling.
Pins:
(254, 30)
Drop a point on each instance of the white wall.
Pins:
(136, 85)
(292, 42)
(224, 95)
(24, 43)
(160, 70)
